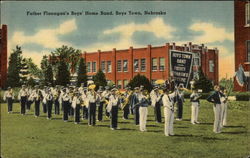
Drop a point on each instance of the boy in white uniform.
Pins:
(9, 97)
(194, 98)
(168, 104)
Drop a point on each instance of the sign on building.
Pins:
(181, 66)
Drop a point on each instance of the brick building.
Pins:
(3, 55)
(120, 66)
(242, 39)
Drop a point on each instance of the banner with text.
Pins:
(181, 66)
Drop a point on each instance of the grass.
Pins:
(30, 137)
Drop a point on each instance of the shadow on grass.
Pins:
(152, 126)
(155, 131)
(102, 125)
(214, 138)
(124, 122)
(15, 112)
(206, 123)
(184, 135)
(186, 120)
(235, 132)
(127, 129)
(181, 127)
(235, 126)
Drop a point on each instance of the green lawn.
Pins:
(30, 137)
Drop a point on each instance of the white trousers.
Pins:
(169, 121)
(194, 112)
(223, 114)
(143, 118)
(217, 118)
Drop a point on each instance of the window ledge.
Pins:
(247, 25)
(247, 63)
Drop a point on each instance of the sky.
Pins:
(207, 22)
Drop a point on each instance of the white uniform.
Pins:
(22, 93)
(168, 103)
(143, 110)
(155, 97)
(194, 108)
(8, 94)
(223, 115)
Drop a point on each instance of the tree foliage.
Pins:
(67, 54)
(63, 74)
(82, 73)
(13, 74)
(99, 79)
(203, 82)
(139, 80)
(47, 72)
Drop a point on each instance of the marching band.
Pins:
(72, 100)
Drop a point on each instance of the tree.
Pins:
(203, 82)
(67, 54)
(47, 72)
(139, 80)
(24, 72)
(31, 82)
(63, 74)
(34, 70)
(82, 73)
(100, 79)
(13, 74)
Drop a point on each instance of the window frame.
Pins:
(94, 66)
(119, 66)
(152, 64)
(141, 65)
(125, 69)
(136, 70)
(109, 63)
(164, 68)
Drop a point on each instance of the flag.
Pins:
(240, 76)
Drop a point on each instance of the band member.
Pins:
(37, 95)
(23, 96)
(49, 102)
(93, 98)
(224, 102)
(56, 96)
(76, 104)
(100, 104)
(29, 99)
(134, 102)
(144, 101)
(106, 94)
(44, 99)
(180, 100)
(85, 104)
(9, 97)
(168, 100)
(156, 98)
(126, 103)
(71, 109)
(66, 103)
(215, 98)
(194, 98)
(113, 108)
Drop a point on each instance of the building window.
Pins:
(89, 67)
(125, 65)
(247, 9)
(119, 65)
(119, 84)
(248, 51)
(94, 66)
(109, 66)
(143, 65)
(211, 66)
(136, 65)
(162, 64)
(154, 64)
(103, 68)
(125, 83)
